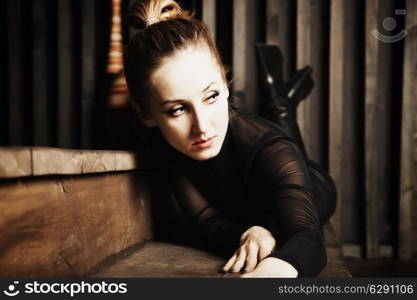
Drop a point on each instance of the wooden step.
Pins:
(159, 259)
(58, 221)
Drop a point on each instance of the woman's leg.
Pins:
(280, 107)
(323, 186)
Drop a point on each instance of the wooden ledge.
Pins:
(165, 260)
(37, 161)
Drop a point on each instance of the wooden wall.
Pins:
(359, 122)
(55, 69)
(70, 226)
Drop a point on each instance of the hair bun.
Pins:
(144, 13)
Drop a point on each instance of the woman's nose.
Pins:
(200, 122)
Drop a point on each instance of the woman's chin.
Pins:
(203, 154)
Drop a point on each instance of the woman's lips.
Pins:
(201, 144)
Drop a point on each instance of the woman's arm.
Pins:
(282, 174)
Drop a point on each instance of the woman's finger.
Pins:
(263, 252)
(229, 263)
(251, 257)
(240, 261)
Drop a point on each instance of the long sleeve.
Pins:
(221, 234)
(283, 177)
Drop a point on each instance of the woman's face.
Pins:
(191, 106)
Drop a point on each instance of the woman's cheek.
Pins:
(223, 112)
(179, 128)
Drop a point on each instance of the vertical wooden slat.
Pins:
(65, 75)
(344, 100)
(245, 29)
(88, 45)
(280, 30)
(378, 86)
(15, 72)
(3, 70)
(40, 73)
(336, 140)
(209, 15)
(224, 33)
(408, 175)
(310, 49)
(372, 239)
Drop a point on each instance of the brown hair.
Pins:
(164, 29)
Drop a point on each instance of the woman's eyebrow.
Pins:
(169, 101)
(179, 100)
(211, 83)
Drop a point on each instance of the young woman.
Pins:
(242, 181)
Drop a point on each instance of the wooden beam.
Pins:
(65, 75)
(224, 35)
(209, 15)
(408, 175)
(40, 161)
(310, 49)
(3, 69)
(344, 102)
(280, 30)
(372, 208)
(15, 73)
(245, 28)
(15, 162)
(67, 226)
(153, 260)
(88, 44)
(378, 93)
(40, 73)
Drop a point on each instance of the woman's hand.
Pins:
(255, 244)
(272, 267)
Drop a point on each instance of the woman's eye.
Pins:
(167, 9)
(176, 112)
(213, 97)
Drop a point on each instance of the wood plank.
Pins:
(3, 69)
(344, 102)
(245, 28)
(224, 35)
(15, 162)
(378, 83)
(310, 49)
(40, 73)
(209, 15)
(15, 73)
(65, 75)
(167, 260)
(88, 44)
(337, 43)
(280, 30)
(37, 161)
(408, 184)
(372, 208)
(336, 265)
(66, 226)
(157, 259)
(59, 161)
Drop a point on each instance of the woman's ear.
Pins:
(147, 120)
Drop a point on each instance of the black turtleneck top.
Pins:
(260, 177)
